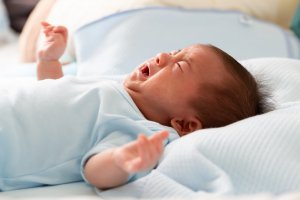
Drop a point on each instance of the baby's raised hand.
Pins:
(54, 44)
(141, 154)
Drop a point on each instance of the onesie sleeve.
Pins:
(124, 132)
(112, 140)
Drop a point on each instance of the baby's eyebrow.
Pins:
(177, 51)
(174, 52)
(188, 60)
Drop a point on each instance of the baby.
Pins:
(60, 131)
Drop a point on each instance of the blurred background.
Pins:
(261, 28)
(18, 12)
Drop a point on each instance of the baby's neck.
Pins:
(149, 111)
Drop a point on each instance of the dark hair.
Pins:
(236, 99)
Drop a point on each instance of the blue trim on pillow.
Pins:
(154, 8)
(175, 8)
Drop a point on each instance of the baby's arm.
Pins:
(113, 167)
(48, 65)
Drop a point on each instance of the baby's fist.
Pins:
(54, 43)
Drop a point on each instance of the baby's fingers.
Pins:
(47, 28)
(45, 24)
(151, 148)
(143, 147)
(163, 135)
(159, 137)
(62, 30)
(137, 163)
(59, 29)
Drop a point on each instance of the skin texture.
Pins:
(118, 163)
(175, 79)
(161, 87)
(54, 45)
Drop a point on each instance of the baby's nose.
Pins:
(162, 59)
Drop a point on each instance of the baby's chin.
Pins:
(126, 81)
(130, 81)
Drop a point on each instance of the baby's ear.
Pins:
(185, 126)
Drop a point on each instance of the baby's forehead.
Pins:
(200, 54)
(189, 48)
(197, 51)
(208, 63)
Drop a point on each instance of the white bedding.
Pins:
(8, 41)
(9, 66)
(60, 192)
(76, 191)
(285, 75)
(256, 155)
(9, 54)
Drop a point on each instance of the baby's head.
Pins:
(197, 87)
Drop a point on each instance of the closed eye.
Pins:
(178, 64)
(173, 53)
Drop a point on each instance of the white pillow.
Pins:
(256, 155)
(281, 75)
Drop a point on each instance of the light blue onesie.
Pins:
(49, 129)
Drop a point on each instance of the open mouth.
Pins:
(145, 70)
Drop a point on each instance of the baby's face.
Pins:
(168, 81)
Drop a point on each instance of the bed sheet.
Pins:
(76, 191)
(160, 186)
(59, 192)
(10, 67)
(8, 54)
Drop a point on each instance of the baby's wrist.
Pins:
(46, 62)
(43, 56)
(116, 160)
(49, 69)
